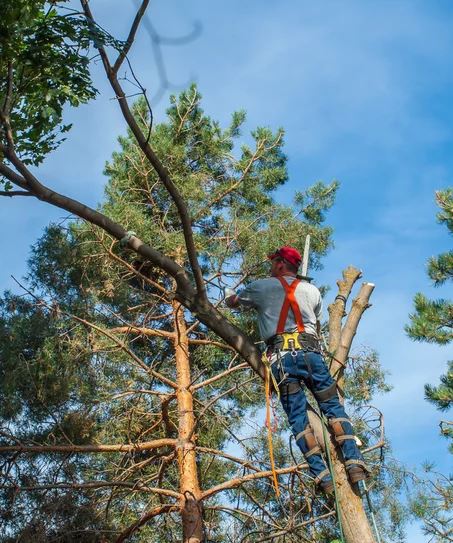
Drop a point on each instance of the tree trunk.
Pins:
(191, 510)
(356, 527)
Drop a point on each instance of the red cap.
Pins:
(289, 254)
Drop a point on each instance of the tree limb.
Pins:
(337, 308)
(219, 376)
(186, 294)
(165, 508)
(131, 37)
(233, 483)
(359, 305)
(11, 193)
(40, 449)
(227, 456)
(155, 162)
(94, 485)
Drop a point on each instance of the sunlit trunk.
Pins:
(191, 511)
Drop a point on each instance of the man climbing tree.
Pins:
(289, 315)
(178, 193)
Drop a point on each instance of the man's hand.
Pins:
(230, 297)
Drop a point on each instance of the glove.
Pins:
(228, 292)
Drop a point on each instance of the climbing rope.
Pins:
(371, 510)
(267, 388)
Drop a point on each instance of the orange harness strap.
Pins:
(290, 301)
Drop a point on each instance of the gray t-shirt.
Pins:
(267, 296)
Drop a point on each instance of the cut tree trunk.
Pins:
(191, 509)
(356, 527)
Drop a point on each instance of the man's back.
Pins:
(267, 296)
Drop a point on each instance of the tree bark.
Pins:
(359, 305)
(356, 527)
(191, 510)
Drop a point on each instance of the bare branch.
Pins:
(359, 305)
(155, 162)
(69, 449)
(227, 456)
(337, 308)
(131, 37)
(152, 332)
(219, 376)
(165, 508)
(11, 193)
(94, 485)
(238, 481)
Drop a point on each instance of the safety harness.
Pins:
(286, 341)
(293, 341)
(290, 339)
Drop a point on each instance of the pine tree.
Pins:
(110, 357)
(173, 270)
(432, 320)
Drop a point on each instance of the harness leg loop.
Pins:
(327, 393)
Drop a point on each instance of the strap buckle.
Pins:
(290, 341)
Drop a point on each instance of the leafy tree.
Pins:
(44, 64)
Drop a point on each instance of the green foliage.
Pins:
(45, 54)
(224, 188)
(76, 383)
(432, 320)
(432, 503)
(442, 395)
(364, 378)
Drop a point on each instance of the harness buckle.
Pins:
(290, 341)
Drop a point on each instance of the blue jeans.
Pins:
(310, 368)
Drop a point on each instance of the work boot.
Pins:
(356, 473)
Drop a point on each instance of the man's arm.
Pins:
(245, 298)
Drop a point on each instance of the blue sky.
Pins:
(363, 90)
